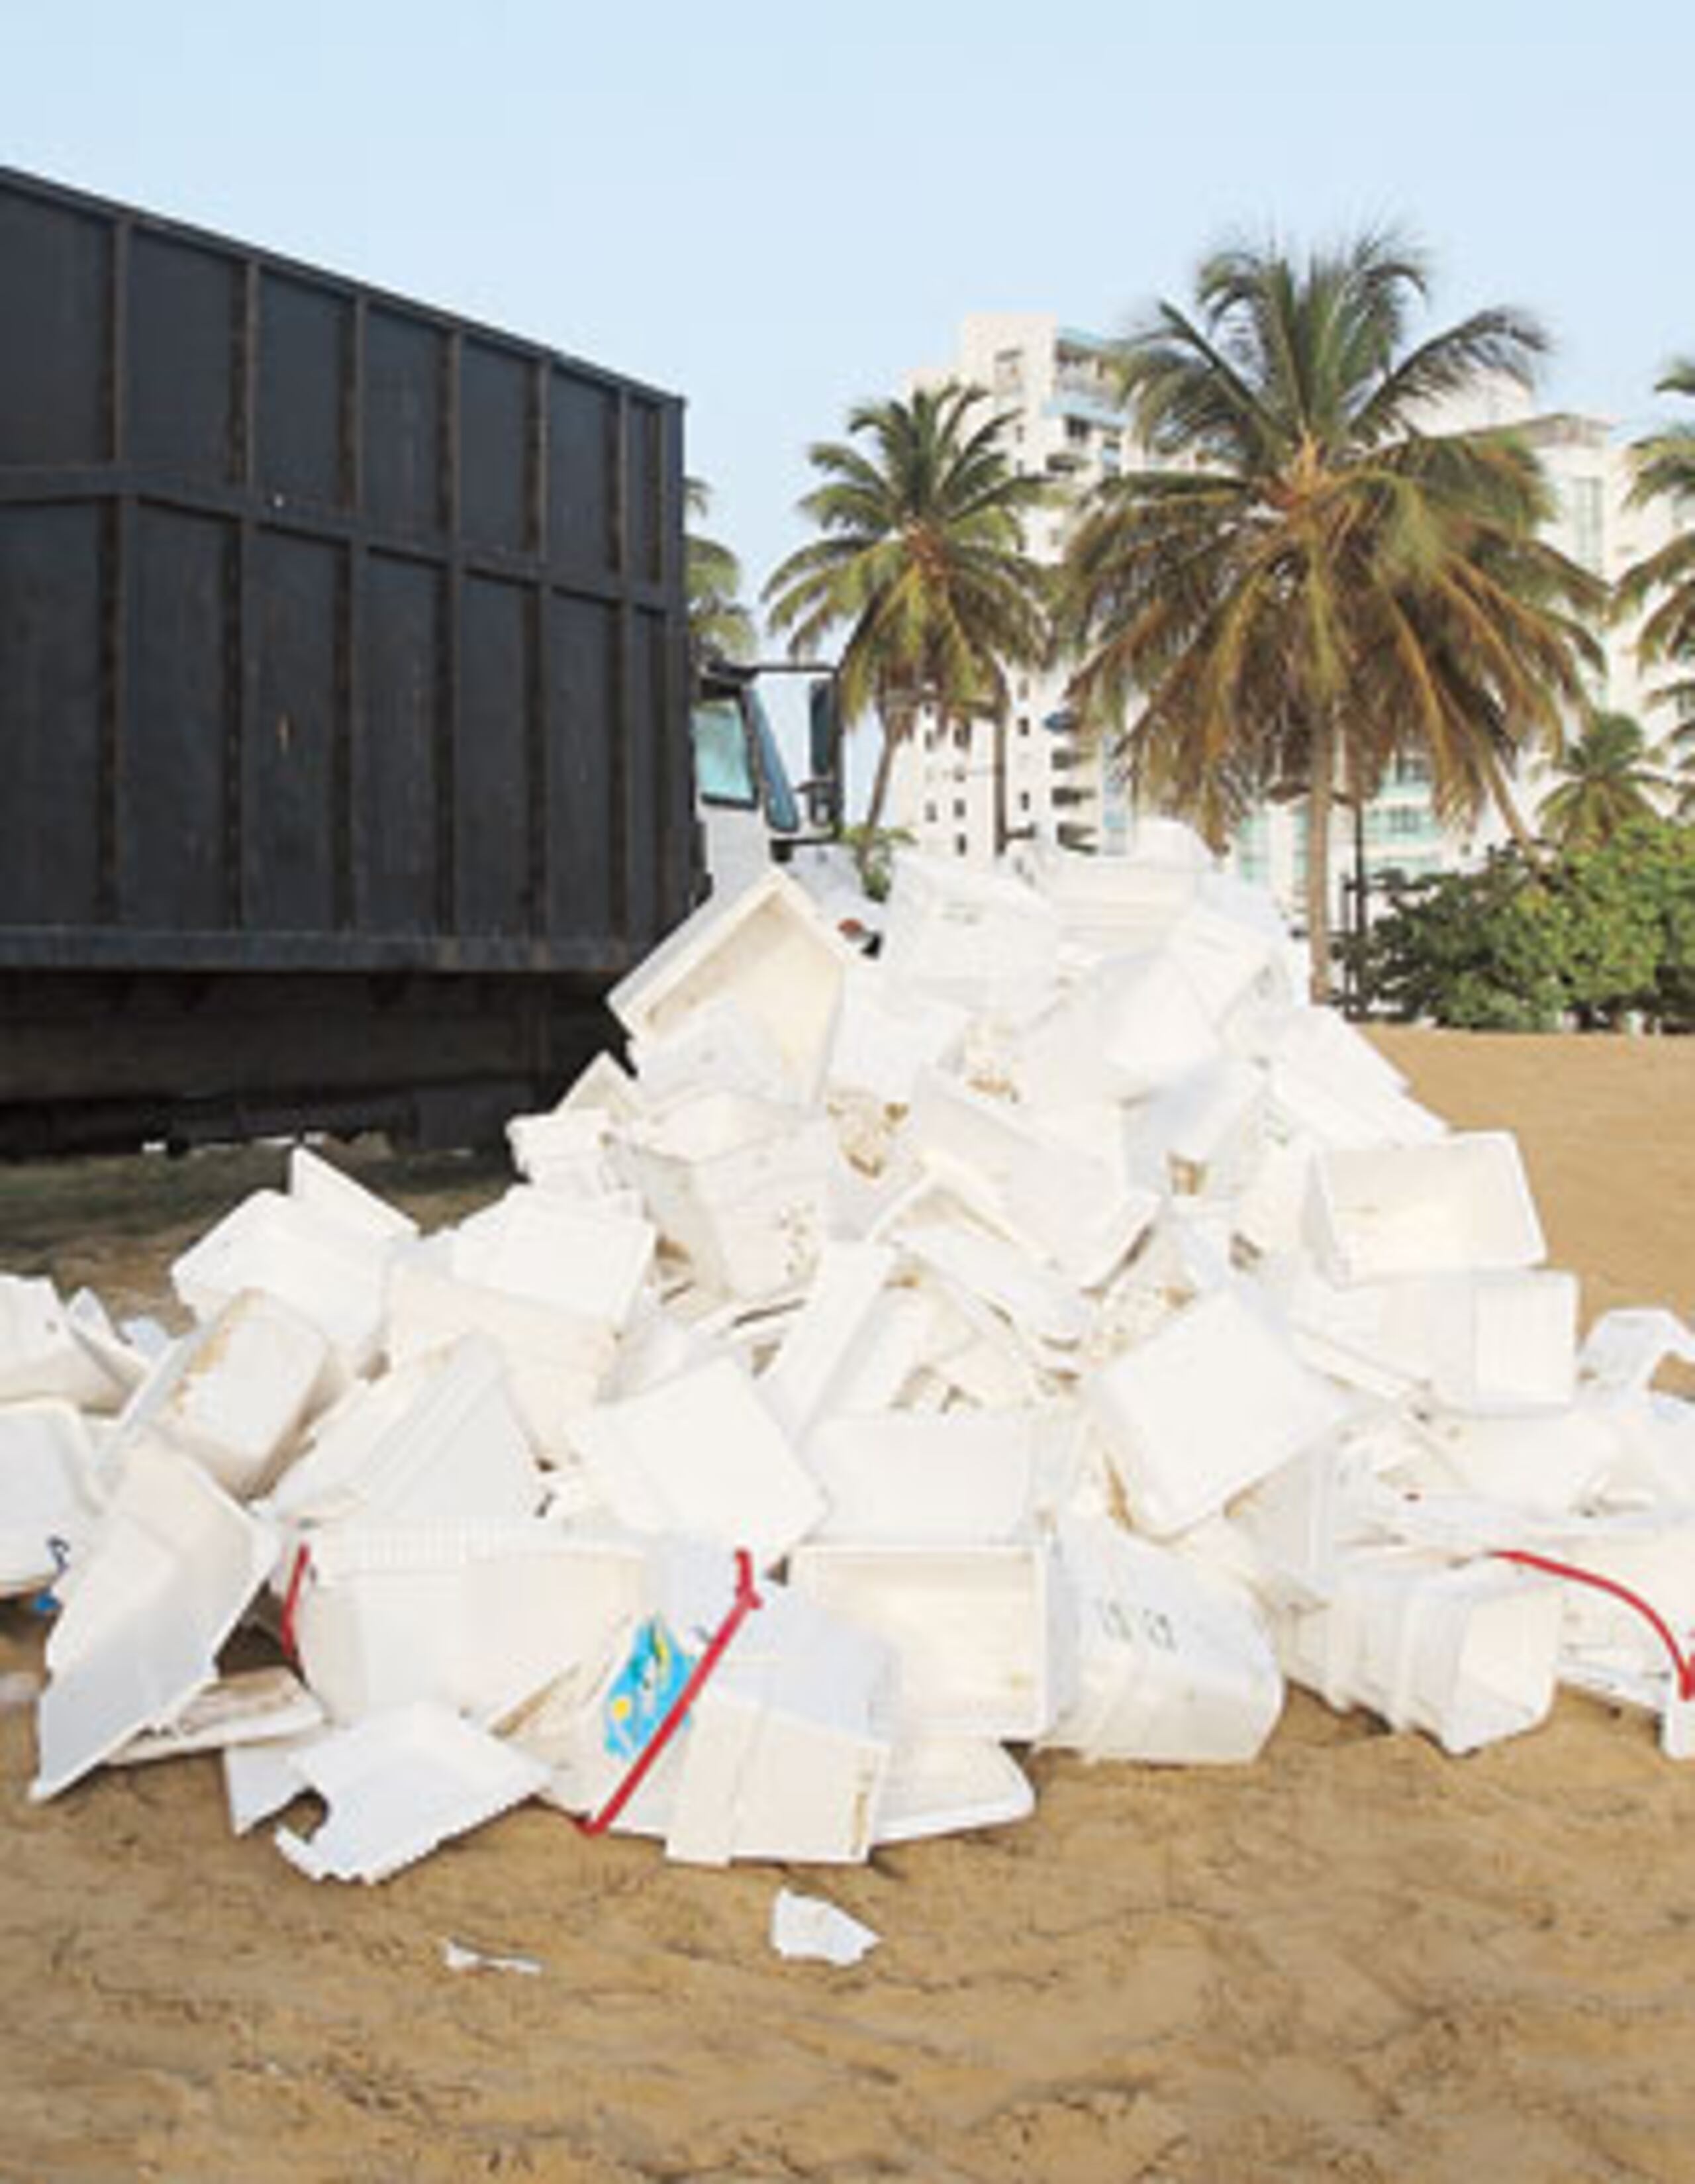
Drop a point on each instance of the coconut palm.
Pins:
(1605, 781)
(1665, 470)
(921, 560)
(1312, 581)
(719, 626)
(1681, 743)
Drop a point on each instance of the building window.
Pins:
(961, 846)
(1024, 799)
(930, 815)
(958, 807)
(1009, 371)
(1077, 431)
(1024, 724)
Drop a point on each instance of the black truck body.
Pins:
(344, 755)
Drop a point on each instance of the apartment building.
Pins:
(1064, 423)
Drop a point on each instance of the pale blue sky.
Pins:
(774, 210)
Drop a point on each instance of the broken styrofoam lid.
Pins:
(171, 1568)
(42, 1353)
(49, 1499)
(807, 1927)
(396, 1785)
(1624, 1350)
(261, 1706)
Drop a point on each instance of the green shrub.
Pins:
(1589, 938)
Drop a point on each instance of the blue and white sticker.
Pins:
(645, 1688)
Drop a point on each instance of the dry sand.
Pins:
(1359, 1959)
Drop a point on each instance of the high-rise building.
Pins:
(964, 791)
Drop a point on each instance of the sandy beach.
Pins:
(1358, 1959)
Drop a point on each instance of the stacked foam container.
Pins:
(1062, 1331)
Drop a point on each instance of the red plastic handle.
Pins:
(291, 1602)
(1683, 1665)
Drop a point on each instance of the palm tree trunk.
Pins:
(893, 734)
(1506, 803)
(1321, 793)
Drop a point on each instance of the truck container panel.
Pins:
(338, 635)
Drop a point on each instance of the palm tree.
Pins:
(1682, 783)
(1665, 466)
(1312, 583)
(1605, 782)
(921, 559)
(720, 624)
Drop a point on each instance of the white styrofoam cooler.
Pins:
(476, 1617)
(789, 1742)
(1169, 1670)
(1214, 1401)
(740, 1184)
(1459, 1205)
(985, 1635)
(769, 952)
(1466, 1654)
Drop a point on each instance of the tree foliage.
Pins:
(1602, 781)
(1589, 938)
(1311, 584)
(721, 627)
(921, 559)
(1664, 463)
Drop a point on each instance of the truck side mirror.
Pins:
(824, 756)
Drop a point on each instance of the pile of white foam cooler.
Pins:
(1052, 1332)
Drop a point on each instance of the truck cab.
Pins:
(751, 814)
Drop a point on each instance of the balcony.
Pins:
(1089, 400)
